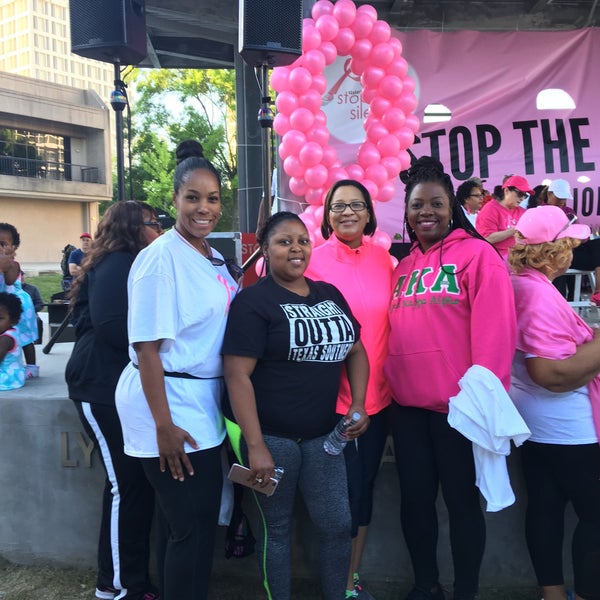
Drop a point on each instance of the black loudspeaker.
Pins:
(270, 31)
(109, 30)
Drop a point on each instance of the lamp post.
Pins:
(118, 100)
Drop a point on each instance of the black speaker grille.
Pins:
(271, 29)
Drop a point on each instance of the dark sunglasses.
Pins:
(154, 224)
(234, 269)
(519, 193)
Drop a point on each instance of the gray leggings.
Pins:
(321, 479)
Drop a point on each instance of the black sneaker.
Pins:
(418, 593)
(106, 593)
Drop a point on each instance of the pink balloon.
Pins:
(371, 188)
(368, 155)
(293, 167)
(392, 165)
(286, 102)
(380, 106)
(380, 33)
(311, 38)
(377, 173)
(376, 131)
(279, 78)
(409, 84)
(318, 212)
(308, 219)
(319, 84)
(319, 135)
(316, 177)
(336, 174)
(281, 124)
(345, 12)
(298, 186)
(320, 119)
(381, 238)
(387, 190)
(396, 45)
(388, 145)
(329, 52)
(294, 140)
(405, 136)
(372, 76)
(368, 11)
(317, 236)
(355, 172)
(358, 66)
(302, 119)
(362, 26)
(344, 41)
(311, 100)
(404, 157)
(361, 49)
(314, 196)
(399, 67)
(321, 7)
(259, 267)
(314, 61)
(382, 55)
(310, 155)
(300, 80)
(412, 121)
(329, 157)
(284, 150)
(327, 26)
(390, 86)
(393, 119)
(368, 94)
(407, 102)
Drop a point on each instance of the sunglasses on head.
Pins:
(568, 224)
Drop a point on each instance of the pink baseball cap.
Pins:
(516, 181)
(549, 223)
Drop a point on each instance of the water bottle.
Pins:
(336, 441)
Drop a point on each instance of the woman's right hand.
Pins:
(171, 440)
(261, 463)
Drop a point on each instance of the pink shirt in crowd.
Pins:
(494, 217)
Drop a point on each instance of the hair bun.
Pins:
(188, 149)
(426, 163)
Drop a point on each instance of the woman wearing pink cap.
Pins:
(556, 388)
(497, 219)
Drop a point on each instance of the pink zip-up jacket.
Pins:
(442, 323)
(364, 276)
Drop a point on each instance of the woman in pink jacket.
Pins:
(452, 307)
(362, 271)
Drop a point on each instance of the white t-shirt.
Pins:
(553, 418)
(178, 296)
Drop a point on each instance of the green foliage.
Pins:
(170, 106)
(47, 283)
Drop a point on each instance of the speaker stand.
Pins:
(118, 100)
(265, 119)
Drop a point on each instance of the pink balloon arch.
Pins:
(342, 29)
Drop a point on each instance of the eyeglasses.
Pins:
(478, 196)
(356, 206)
(154, 224)
(234, 269)
(519, 193)
(568, 224)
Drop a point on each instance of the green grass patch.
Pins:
(47, 283)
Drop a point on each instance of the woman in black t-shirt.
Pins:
(286, 342)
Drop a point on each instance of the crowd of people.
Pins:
(173, 360)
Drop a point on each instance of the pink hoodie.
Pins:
(442, 323)
(364, 276)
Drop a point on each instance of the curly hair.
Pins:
(371, 225)
(13, 306)
(120, 230)
(12, 230)
(549, 256)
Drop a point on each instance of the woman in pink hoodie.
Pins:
(452, 307)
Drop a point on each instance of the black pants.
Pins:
(554, 475)
(127, 506)
(429, 453)
(190, 511)
(586, 257)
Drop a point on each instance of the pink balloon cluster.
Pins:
(311, 163)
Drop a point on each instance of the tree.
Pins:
(171, 105)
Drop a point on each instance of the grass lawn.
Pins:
(47, 283)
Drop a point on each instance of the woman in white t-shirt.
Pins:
(169, 396)
(556, 388)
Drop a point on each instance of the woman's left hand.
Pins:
(360, 426)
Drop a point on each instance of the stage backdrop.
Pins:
(490, 83)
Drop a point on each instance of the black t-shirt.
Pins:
(300, 344)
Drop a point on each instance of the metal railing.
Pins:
(45, 169)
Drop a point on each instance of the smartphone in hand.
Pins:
(241, 474)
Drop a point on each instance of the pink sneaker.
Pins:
(595, 299)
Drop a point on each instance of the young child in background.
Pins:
(12, 370)
(10, 281)
(38, 304)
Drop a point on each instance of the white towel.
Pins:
(484, 413)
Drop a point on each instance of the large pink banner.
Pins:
(491, 83)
